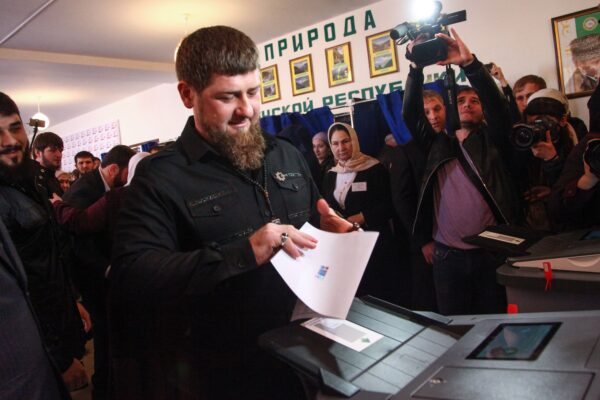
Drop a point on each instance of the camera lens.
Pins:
(522, 136)
(592, 156)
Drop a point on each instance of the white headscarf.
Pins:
(358, 161)
(133, 162)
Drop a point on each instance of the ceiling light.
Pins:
(39, 120)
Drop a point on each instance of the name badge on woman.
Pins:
(359, 186)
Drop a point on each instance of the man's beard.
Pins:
(48, 164)
(17, 172)
(244, 150)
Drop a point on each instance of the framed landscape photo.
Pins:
(577, 46)
(269, 84)
(301, 72)
(339, 64)
(382, 54)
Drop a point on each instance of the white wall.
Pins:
(516, 34)
(154, 113)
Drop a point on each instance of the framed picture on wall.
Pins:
(339, 64)
(577, 46)
(301, 72)
(269, 84)
(382, 54)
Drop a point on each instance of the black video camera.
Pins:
(526, 135)
(592, 156)
(433, 49)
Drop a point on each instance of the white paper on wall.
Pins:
(97, 140)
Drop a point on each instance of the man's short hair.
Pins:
(120, 155)
(8, 106)
(524, 80)
(214, 50)
(585, 48)
(464, 88)
(83, 154)
(432, 94)
(47, 139)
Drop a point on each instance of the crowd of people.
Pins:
(164, 259)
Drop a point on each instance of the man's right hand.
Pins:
(330, 221)
(268, 240)
(75, 376)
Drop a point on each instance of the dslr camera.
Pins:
(592, 156)
(433, 49)
(524, 136)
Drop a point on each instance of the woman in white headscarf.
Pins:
(357, 187)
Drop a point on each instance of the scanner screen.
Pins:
(515, 342)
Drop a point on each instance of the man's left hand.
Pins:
(458, 52)
(330, 221)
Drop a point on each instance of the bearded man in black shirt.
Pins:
(191, 284)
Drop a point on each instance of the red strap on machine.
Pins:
(548, 275)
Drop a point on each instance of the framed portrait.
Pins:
(301, 72)
(339, 65)
(577, 46)
(382, 54)
(269, 84)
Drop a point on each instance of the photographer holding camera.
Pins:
(468, 176)
(548, 139)
(575, 198)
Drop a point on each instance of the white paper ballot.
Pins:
(344, 332)
(326, 278)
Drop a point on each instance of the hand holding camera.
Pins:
(497, 73)
(544, 149)
(458, 53)
(429, 49)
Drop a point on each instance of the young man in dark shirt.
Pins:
(467, 176)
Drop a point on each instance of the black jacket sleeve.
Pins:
(515, 115)
(495, 106)
(405, 178)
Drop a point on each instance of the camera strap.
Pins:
(478, 183)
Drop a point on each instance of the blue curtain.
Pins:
(391, 107)
(316, 120)
(371, 127)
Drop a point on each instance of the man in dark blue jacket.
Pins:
(26, 371)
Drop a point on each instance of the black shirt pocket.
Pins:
(218, 216)
(296, 196)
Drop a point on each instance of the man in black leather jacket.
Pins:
(470, 182)
(29, 218)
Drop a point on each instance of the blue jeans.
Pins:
(465, 281)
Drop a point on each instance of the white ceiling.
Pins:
(73, 56)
